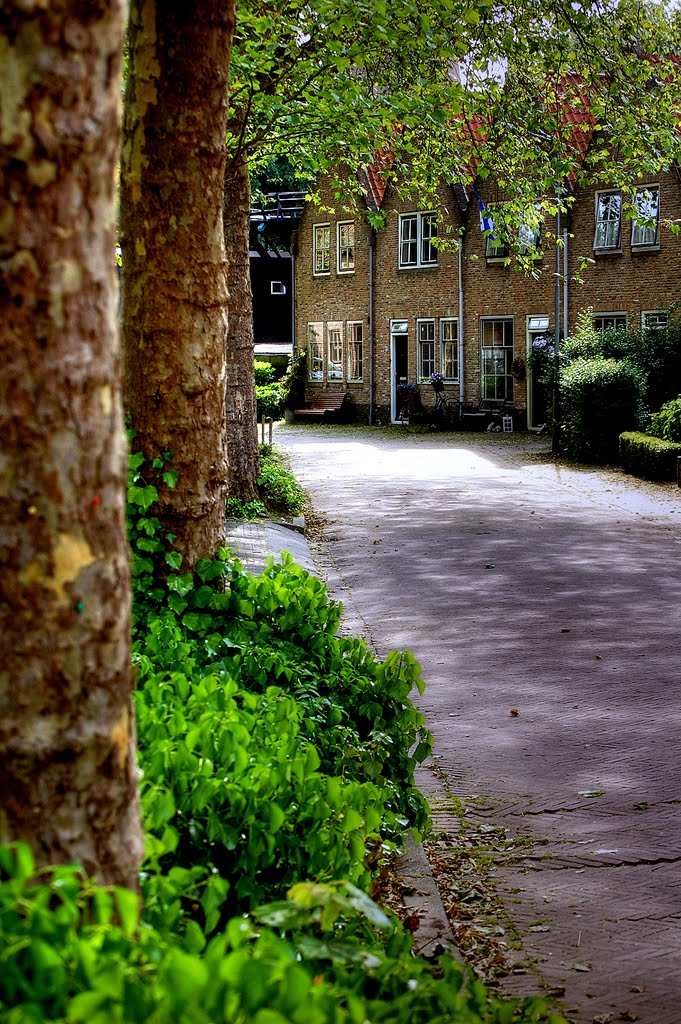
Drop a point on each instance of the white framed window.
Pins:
(608, 230)
(654, 319)
(449, 348)
(315, 351)
(538, 324)
(529, 231)
(355, 336)
(645, 228)
(345, 241)
(496, 343)
(418, 232)
(610, 321)
(277, 288)
(425, 333)
(495, 246)
(321, 260)
(334, 351)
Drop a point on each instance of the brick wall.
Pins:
(628, 281)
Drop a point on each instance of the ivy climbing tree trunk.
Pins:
(241, 412)
(67, 758)
(174, 270)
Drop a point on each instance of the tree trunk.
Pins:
(174, 271)
(68, 779)
(241, 414)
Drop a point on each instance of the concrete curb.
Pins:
(433, 934)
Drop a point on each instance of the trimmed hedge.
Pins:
(649, 457)
(599, 399)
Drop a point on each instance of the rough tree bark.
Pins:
(174, 270)
(241, 412)
(68, 780)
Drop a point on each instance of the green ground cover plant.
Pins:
(280, 492)
(75, 953)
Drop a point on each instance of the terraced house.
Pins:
(376, 309)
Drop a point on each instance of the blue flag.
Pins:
(486, 220)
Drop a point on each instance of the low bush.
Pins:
(270, 401)
(278, 487)
(666, 423)
(649, 457)
(599, 399)
(263, 372)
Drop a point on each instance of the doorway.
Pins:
(537, 399)
(399, 363)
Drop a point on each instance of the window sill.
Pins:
(607, 252)
(345, 273)
(500, 261)
(321, 273)
(637, 250)
(419, 266)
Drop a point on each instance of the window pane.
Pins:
(322, 248)
(428, 233)
(315, 351)
(408, 241)
(335, 351)
(608, 215)
(346, 246)
(355, 351)
(426, 349)
(654, 321)
(449, 349)
(497, 357)
(647, 203)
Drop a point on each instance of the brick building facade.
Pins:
(378, 308)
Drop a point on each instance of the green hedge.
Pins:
(649, 457)
(599, 399)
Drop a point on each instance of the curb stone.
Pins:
(433, 934)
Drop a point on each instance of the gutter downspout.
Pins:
(461, 380)
(293, 301)
(555, 446)
(372, 254)
(565, 283)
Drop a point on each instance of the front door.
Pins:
(537, 399)
(399, 363)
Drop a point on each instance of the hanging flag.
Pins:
(486, 220)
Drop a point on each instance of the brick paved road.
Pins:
(556, 593)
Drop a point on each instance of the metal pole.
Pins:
(372, 251)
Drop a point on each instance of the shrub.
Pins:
(666, 423)
(649, 457)
(656, 352)
(599, 399)
(278, 487)
(264, 372)
(270, 401)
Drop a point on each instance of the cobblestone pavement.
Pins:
(544, 604)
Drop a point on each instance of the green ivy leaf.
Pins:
(174, 559)
(181, 584)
